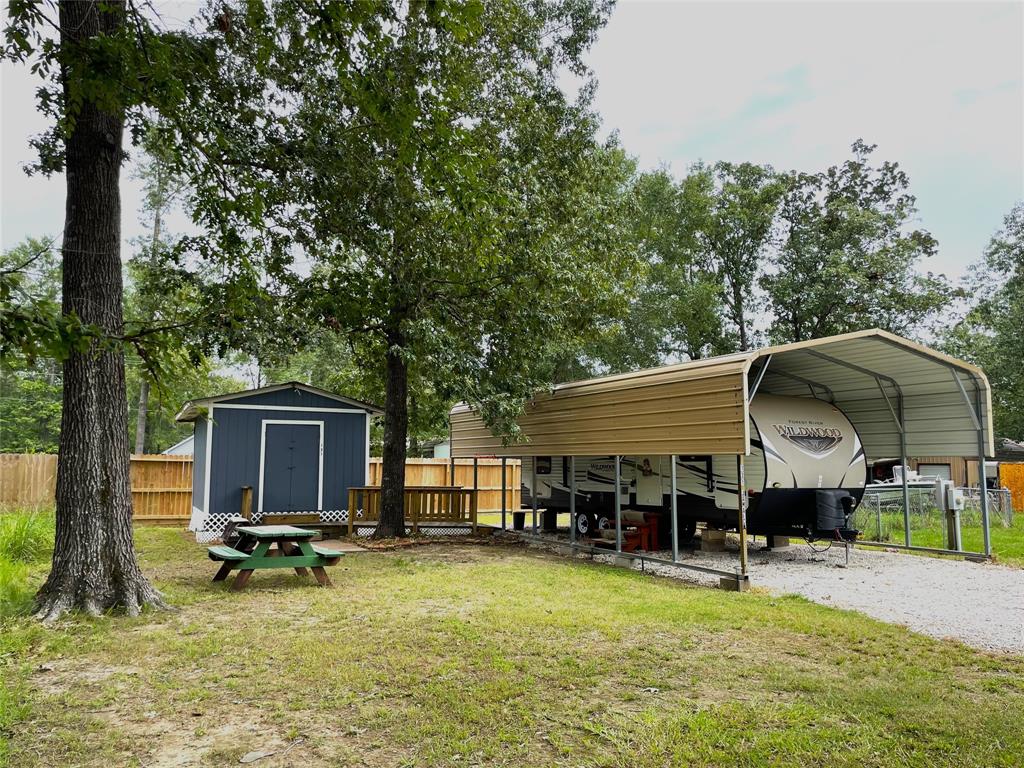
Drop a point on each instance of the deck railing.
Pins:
(424, 504)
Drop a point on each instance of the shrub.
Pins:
(26, 537)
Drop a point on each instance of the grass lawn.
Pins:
(1007, 542)
(460, 655)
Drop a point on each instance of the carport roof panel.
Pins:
(704, 402)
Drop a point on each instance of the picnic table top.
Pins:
(276, 532)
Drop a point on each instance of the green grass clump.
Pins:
(930, 531)
(26, 537)
(26, 545)
(15, 588)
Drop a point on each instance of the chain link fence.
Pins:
(879, 517)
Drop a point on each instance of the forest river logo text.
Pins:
(816, 440)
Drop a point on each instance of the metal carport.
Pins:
(904, 398)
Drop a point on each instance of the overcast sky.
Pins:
(938, 86)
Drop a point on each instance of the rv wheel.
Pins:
(687, 530)
(583, 524)
(604, 523)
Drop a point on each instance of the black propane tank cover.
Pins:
(831, 509)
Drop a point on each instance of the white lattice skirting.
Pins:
(211, 527)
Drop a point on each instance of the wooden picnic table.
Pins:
(292, 549)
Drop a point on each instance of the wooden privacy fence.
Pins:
(427, 504)
(27, 480)
(162, 489)
(437, 473)
(161, 485)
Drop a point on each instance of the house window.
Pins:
(543, 465)
(942, 471)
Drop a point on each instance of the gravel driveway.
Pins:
(980, 604)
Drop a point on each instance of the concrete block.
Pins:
(778, 542)
(734, 584)
(623, 560)
(712, 541)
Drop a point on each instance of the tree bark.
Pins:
(94, 565)
(396, 427)
(140, 417)
(741, 320)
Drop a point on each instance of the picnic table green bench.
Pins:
(277, 546)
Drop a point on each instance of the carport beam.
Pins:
(673, 524)
(572, 499)
(904, 473)
(533, 492)
(741, 504)
(618, 504)
(982, 479)
(757, 381)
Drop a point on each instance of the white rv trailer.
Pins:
(799, 446)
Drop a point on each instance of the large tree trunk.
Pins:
(94, 564)
(396, 428)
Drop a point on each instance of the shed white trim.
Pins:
(192, 409)
(303, 408)
(366, 477)
(209, 454)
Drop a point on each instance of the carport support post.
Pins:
(673, 524)
(741, 503)
(533, 491)
(618, 504)
(904, 473)
(982, 479)
(572, 499)
(504, 503)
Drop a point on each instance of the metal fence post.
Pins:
(618, 504)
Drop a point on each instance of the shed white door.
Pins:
(291, 466)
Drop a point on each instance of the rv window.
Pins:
(543, 464)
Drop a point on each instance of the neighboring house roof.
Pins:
(434, 441)
(191, 410)
(182, 448)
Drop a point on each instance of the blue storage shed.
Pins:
(297, 447)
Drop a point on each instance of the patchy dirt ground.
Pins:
(459, 654)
